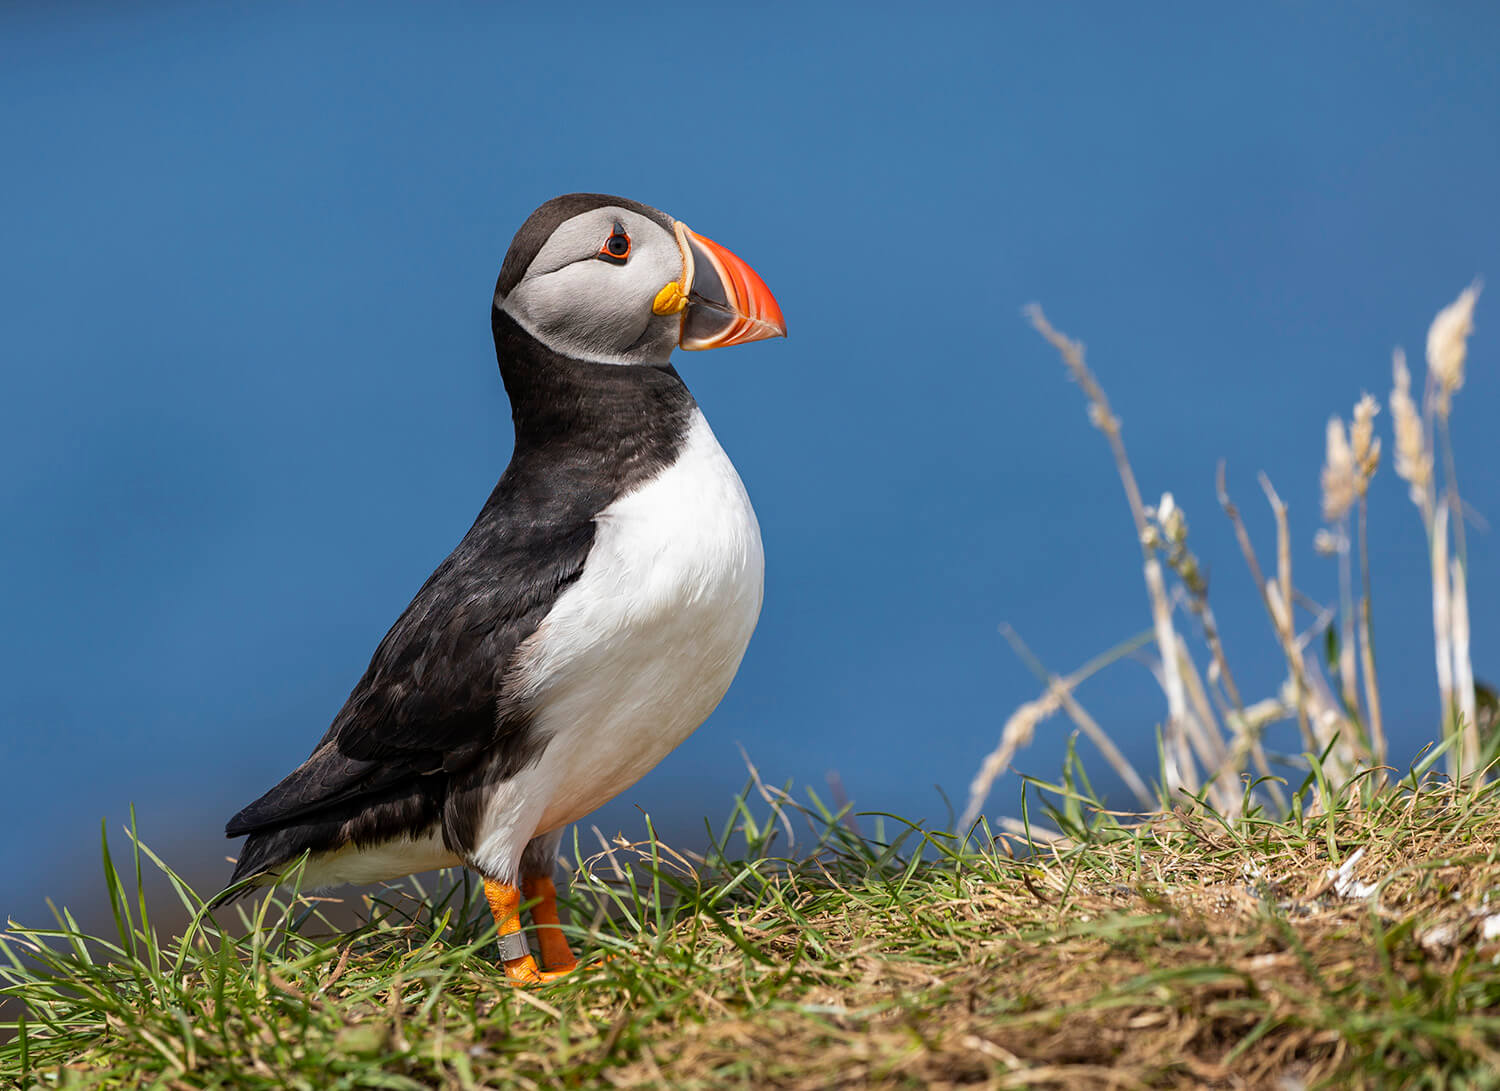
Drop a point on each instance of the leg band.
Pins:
(513, 945)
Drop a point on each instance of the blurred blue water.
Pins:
(250, 398)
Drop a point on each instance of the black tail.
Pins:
(261, 854)
(407, 809)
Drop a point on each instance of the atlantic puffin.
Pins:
(590, 619)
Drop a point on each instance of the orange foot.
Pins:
(505, 905)
(557, 956)
(525, 972)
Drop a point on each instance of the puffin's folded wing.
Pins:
(432, 700)
(325, 778)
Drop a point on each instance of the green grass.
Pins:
(1183, 950)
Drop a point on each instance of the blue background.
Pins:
(250, 398)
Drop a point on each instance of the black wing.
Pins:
(429, 701)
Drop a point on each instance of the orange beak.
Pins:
(727, 302)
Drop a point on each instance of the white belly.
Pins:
(376, 863)
(637, 653)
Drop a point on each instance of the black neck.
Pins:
(630, 414)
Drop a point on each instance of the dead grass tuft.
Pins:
(1177, 952)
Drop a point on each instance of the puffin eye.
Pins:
(616, 248)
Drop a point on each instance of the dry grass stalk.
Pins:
(1442, 515)
(1168, 533)
(1100, 738)
(1447, 349)
(1277, 602)
(1247, 727)
(1104, 419)
(1366, 447)
(1442, 631)
(1246, 733)
(1325, 726)
(1198, 603)
(1348, 646)
(1021, 727)
(1212, 751)
(1247, 550)
(1018, 732)
(1463, 670)
(1367, 642)
(1031, 834)
(1349, 465)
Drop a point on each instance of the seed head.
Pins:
(1363, 442)
(1413, 457)
(1172, 521)
(1339, 476)
(1448, 344)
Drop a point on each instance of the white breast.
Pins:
(638, 652)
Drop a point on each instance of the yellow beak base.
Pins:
(670, 300)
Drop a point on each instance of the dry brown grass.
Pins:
(1177, 953)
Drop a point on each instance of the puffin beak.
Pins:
(726, 301)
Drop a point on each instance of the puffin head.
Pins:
(609, 280)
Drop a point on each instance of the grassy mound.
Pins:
(1350, 945)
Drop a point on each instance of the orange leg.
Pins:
(556, 954)
(520, 967)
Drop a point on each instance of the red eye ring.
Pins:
(616, 248)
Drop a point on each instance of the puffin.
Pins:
(591, 618)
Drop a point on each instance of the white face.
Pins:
(580, 298)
